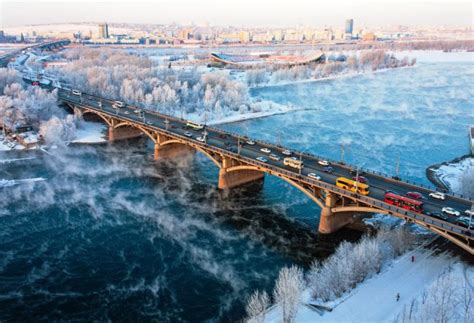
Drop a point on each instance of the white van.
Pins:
(119, 104)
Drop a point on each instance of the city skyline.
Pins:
(245, 13)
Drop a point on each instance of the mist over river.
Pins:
(110, 234)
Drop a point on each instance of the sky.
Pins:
(271, 13)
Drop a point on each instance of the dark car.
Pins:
(439, 215)
(360, 179)
(357, 173)
(328, 169)
(222, 136)
(392, 192)
(415, 195)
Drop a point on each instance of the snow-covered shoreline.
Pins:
(448, 175)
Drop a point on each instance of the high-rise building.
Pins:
(349, 26)
(103, 31)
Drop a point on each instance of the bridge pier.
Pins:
(171, 150)
(228, 180)
(123, 133)
(329, 221)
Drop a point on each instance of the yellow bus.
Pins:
(349, 184)
(293, 162)
(194, 125)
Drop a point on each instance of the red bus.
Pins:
(404, 202)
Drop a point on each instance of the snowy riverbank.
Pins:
(375, 299)
(449, 175)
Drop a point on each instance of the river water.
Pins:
(110, 234)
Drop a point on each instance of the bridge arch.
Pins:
(307, 192)
(197, 147)
(143, 130)
(106, 120)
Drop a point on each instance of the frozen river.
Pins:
(112, 235)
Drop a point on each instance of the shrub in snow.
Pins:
(287, 291)
(352, 263)
(257, 306)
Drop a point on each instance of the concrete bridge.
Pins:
(50, 45)
(236, 157)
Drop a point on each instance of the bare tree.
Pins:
(257, 306)
(287, 291)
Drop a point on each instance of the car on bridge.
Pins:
(437, 195)
(201, 139)
(188, 134)
(262, 159)
(469, 213)
(250, 142)
(438, 215)
(274, 157)
(323, 162)
(76, 92)
(415, 195)
(450, 211)
(265, 150)
(286, 152)
(360, 179)
(464, 221)
(328, 169)
(314, 176)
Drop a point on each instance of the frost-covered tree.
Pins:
(287, 291)
(8, 76)
(58, 131)
(257, 306)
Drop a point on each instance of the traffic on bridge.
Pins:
(339, 189)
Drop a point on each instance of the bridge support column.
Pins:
(171, 150)
(330, 222)
(228, 180)
(123, 133)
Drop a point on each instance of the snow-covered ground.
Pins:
(90, 133)
(374, 300)
(451, 173)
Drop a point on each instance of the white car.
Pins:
(286, 152)
(250, 142)
(450, 211)
(262, 159)
(323, 162)
(201, 139)
(469, 213)
(188, 134)
(437, 195)
(265, 150)
(149, 123)
(314, 176)
(127, 112)
(274, 157)
(167, 121)
(137, 111)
